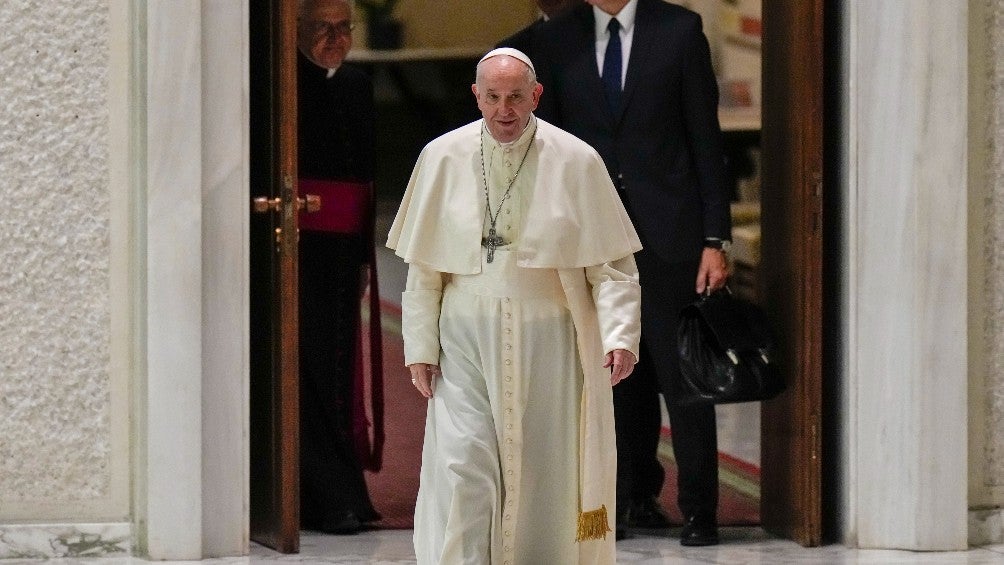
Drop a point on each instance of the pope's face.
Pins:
(506, 96)
(325, 32)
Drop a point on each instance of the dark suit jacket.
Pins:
(525, 39)
(663, 148)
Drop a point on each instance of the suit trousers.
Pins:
(666, 288)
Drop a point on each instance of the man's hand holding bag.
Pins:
(726, 352)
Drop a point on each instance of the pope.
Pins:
(520, 311)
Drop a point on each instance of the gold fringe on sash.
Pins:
(593, 524)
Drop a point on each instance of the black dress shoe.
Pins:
(699, 531)
(647, 514)
(344, 523)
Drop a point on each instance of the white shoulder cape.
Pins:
(574, 219)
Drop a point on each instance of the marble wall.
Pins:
(123, 285)
(63, 411)
(192, 450)
(906, 244)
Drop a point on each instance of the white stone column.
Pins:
(169, 481)
(906, 248)
(192, 479)
(225, 277)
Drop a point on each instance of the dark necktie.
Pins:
(612, 66)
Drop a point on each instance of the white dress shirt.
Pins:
(626, 18)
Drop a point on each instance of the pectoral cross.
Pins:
(491, 242)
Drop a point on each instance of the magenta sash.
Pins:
(344, 205)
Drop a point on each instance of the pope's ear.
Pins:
(537, 90)
(474, 89)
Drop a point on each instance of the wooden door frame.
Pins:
(275, 511)
(792, 251)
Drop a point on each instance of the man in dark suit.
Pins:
(336, 138)
(642, 92)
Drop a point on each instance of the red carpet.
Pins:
(394, 488)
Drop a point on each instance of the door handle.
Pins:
(311, 202)
(263, 204)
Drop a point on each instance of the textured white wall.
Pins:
(987, 257)
(994, 338)
(58, 449)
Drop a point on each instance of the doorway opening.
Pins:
(777, 160)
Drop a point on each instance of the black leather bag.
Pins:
(726, 349)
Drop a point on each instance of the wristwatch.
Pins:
(715, 243)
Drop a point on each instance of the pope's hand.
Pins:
(621, 362)
(423, 375)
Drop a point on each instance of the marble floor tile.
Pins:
(740, 546)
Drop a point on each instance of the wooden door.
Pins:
(791, 274)
(275, 442)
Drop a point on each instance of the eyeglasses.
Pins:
(340, 29)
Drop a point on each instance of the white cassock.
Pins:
(519, 460)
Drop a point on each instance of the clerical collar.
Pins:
(519, 142)
(331, 72)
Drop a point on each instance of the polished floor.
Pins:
(741, 546)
